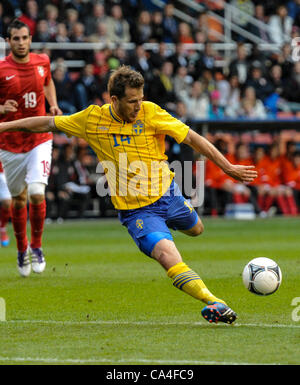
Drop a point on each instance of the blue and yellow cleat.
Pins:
(218, 312)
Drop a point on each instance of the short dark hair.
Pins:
(16, 24)
(124, 77)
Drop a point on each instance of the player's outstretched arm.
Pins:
(204, 147)
(34, 124)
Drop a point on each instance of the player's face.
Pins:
(129, 106)
(19, 42)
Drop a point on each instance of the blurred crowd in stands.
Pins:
(192, 84)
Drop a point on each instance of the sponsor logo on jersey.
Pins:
(10, 77)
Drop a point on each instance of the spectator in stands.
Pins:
(121, 55)
(206, 61)
(158, 57)
(71, 18)
(240, 65)
(201, 26)
(200, 37)
(257, 80)
(101, 67)
(258, 55)
(251, 106)
(63, 87)
(142, 29)
(293, 7)
(78, 36)
(222, 85)
(157, 27)
(100, 34)
(185, 35)
(240, 15)
(170, 24)
(197, 102)
(216, 110)
(280, 26)
(233, 101)
(208, 81)
(30, 15)
(42, 33)
(162, 87)
(117, 27)
(61, 37)
(291, 90)
(51, 15)
(182, 82)
(92, 21)
(258, 31)
(86, 88)
(274, 102)
(180, 57)
(139, 60)
(285, 60)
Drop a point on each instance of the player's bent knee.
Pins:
(197, 230)
(20, 201)
(36, 192)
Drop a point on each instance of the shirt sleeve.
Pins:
(75, 124)
(166, 124)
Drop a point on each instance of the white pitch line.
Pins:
(149, 323)
(125, 361)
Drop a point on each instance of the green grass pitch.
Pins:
(101, 301)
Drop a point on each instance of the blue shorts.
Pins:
(149, 224)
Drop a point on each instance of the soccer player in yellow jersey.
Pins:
(128, 137)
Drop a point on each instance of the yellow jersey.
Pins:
(132, 154)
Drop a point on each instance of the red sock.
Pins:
(283, 205)
(292, 204)
(268, 202)
(37, 214)
(238, 198)
(19, 221)
(5, 214)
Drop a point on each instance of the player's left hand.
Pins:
(245, 174)
(55, 110)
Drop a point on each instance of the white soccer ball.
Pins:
(262, 276)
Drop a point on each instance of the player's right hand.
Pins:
(10, 105)
(245, 174)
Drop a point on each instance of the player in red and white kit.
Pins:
(5, 208)
(25, 81)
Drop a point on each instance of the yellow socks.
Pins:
(188, 281)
